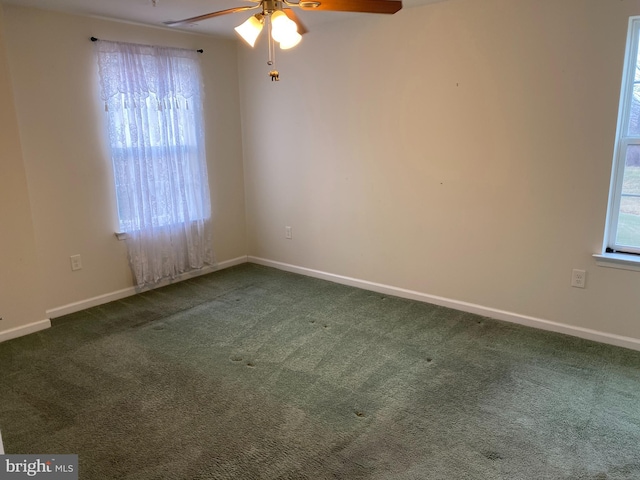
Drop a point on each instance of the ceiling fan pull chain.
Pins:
(274, 74)
(272, 52)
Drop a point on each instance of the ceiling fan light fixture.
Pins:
(291, 41)
(309, 4)
(250, 29)
(282, 28)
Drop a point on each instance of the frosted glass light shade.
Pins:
(250, 29)
(282, 28)
(290, 41)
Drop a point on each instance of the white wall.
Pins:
(68, 171)
(461, 149)
(21, 301)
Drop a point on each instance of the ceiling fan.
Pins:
(283, 24)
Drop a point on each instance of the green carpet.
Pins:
(254, 373)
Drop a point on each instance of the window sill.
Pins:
(618, 260)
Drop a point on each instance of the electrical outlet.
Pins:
(578, 278)
(287, 233)
(76, 262)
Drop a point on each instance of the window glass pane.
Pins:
(634, 117)
(629, 223)
(634, 112)
(629, 216)
(637, 76)
(631, 182)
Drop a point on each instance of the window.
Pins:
(171, 146)
(153, 104)
(623, 228)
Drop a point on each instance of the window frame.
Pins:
(623, 141)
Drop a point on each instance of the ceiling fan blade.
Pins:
(292, 16)
(207, 16)
(365, 6)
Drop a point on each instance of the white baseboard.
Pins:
(127, 292)
(24, 330)
(588, 334)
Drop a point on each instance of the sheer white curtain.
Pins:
(153, 103)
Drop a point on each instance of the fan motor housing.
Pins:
(270, 6)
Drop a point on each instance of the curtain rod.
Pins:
(94, 39)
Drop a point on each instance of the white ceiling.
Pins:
(143, 11)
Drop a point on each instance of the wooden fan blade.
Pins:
(365, 6)
(292, 16)
(207, 16)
